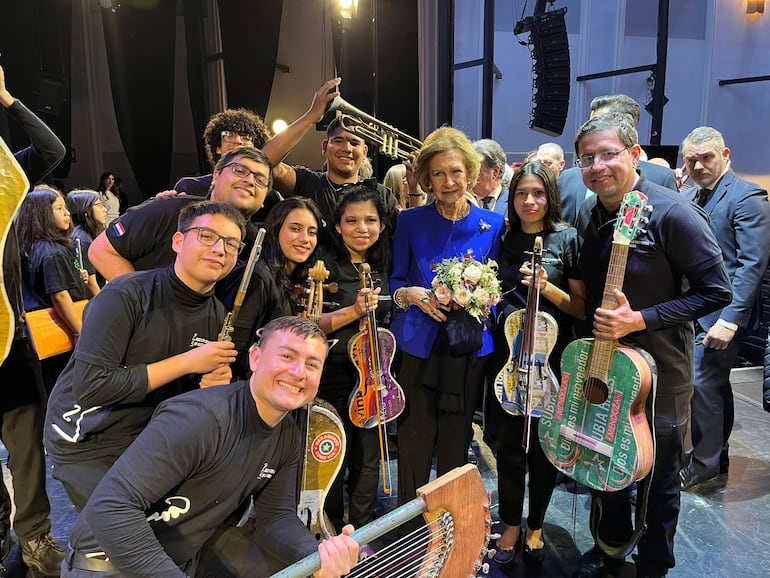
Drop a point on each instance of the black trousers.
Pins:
(21, 429)
(512, 467)
(362, 463)
(423, 429)
(81, 478)
(656, 546)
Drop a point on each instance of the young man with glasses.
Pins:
(146, 337)
(225, 131)
(673, 275)
(140, 238)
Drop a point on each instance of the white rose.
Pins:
(456, 272)
(462, 296)
(472, 274)
(482, 296)
(443, 294)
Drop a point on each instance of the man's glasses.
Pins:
(209, 237)
(243, 172)
(587, 161)
(237, 139)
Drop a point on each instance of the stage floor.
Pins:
(723, 526)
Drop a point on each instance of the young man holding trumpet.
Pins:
(344, 152)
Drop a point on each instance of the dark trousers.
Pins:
(22, 432)
(713, 406)
(21, 428)
(512, 467)
(80, 479)
(656, 547)
(232, 552)
(362, 462)
(423, 429)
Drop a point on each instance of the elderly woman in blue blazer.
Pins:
(442, 388)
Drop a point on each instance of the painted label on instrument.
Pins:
(597, 445)
(326, 446)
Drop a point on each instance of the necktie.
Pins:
(486, 202)
(702, 197)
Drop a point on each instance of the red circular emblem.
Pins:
(326, 446)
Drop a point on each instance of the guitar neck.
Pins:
(601, 358)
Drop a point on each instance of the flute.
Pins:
(229, 324)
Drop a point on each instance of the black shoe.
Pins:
(596, 564)
(689, 479)
(534, 556)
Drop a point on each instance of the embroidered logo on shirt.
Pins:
(265, 472)
(177, 505)
(197, 341)
(119, 229)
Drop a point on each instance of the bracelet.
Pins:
(398, 301)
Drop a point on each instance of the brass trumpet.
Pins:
(390, 141)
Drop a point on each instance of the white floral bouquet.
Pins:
(468, 284)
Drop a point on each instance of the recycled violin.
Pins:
(322, 432)
(527, 379)
(378, 398)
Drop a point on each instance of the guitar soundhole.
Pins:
(595, 391)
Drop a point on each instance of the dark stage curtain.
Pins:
(197, 84)
(140, 39)
(35, 40)
(250, 33)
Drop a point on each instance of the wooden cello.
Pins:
(378, 398)
(323, 432)
(595, 430)
(527, 381)
(452, 543)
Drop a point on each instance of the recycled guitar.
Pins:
(595, 431)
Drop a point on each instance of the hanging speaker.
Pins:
(51, 93)
(549, 47)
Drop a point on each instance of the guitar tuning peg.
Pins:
(484, 568)
(490, 552)
(494, 536)
(644, 220)
(648, 208)
(642, 232)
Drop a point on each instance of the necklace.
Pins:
(463, 212)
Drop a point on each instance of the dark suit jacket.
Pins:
(573, 190)
(739, 215)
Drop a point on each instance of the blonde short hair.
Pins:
(442, 140)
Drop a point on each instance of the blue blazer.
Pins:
(572, 190)
(739, 215)
(501, 205)
(424, 237)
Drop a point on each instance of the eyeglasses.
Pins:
(587, 161)
(236, 138)
(243, 172)
(210, 238)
